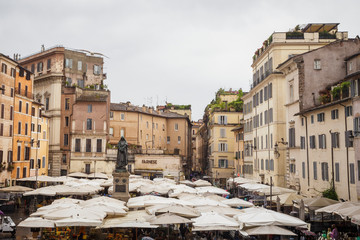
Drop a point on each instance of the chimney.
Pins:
(143, 108)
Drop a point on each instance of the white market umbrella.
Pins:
(134, 219)
(228, 211)
(209, 221)
(269, 230)
(36, 222)
(237, 202)
(179, 210)
(187, 182)
(201, 183)
(103, 199)
(77, 222)
(335, 208)
(44, 191)
(169, 218)
(75, 212)
(78, 174)
(211, 189)
(138, 202)
(268, 217)
(287, 199)
(16, 189)
(67, 201)
(203, 201)
(98, 175)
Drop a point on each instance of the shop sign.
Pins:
(149, 161)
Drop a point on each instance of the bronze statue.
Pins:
(121, 161)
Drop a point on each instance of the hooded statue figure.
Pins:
(121, 161)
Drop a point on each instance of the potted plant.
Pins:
(345, 89)
(335, 92)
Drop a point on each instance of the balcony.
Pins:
(24, 93)
(294, 35)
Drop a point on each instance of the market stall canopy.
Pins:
(316, 203)
(187, 182)
(36, 222)
(78, 175)
(177, 190)
(179, 210)
(14, 189)
(240, 180)
(75, 221)
(349, 212)
(237, 202)
(201, 183)
(43, 178)
(287, 199)
(268, 217)
(103, 199)
(209, 221)
(335, 208)
(203, 201)
(211, 189)
(134, 219)
(169, 218)
(222, 210)
(98, 175)
(269, 230)
(78, 211)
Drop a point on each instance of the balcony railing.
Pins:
(326, 35)
(294, 35)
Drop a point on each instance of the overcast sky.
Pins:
(179, 51)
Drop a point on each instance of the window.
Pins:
(261, 119)
(26, 129)
(33, 68)
(348, 141)
(111, 131)
(271, 164)
(79, 66)
(4, 68)
(11, 92)
(68, 82)
(317, 64)
(303, 169)
(66, 139)
(77, 144)
(27, 108)
(312, 142)
(292, 168)
(33, 127)
(39, 128)
(176, 127)
(315, 170)
(89, 124)
(99, 145)
(322, 141)
(111, 114)
(321, 117)
(80, 83)
(87, 168)
(18, 153)
(291, 93)
(2, 111)
(64, 158)
(66, 121)
(47, 100)
(3, 89)
(261, 96)
(223, 163)
(89, 108)
(10, 130)
(9, 159)
(267, 164)
(122, 116)
(1, 129)
(179, 139)
(97, 69)
(168, 139)
(337, 172)
(26, 90)
(356, 126)
(348, 111)
(266, 117)
(67, 103)
(88, 145)
(302, 121)
(324, 171)
(270, 90)
(335, 114)
(20, 106)
(222, 147)
(43, 162)
(265, 93)
(262, 164)
(122, 132)
(19, 127)
(40, 67)
(335, 140)
(31, 163)
(48, 65)
(24, 172)
(147, 124)
(352, 173)
(33, 111)
(68, 63)
(222, 132)
(44, 134)
(291, 137)
(312, 119)
(270, 115)
(222, 120)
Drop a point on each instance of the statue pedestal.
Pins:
(121, 185)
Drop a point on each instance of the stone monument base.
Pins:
(121, 185)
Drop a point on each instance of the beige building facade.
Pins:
(264, 110)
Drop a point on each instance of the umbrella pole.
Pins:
(168, 232)
(136, 233)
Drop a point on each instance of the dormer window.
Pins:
(317, 64)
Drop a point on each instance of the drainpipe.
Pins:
(347, 154)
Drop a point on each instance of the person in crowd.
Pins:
(334, 232)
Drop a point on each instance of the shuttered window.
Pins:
(312, 142)
(337, 172)
(324, 171)
(291, 137)
(322, 141)
(315, 170)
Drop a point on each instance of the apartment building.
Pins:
(264, 105)
(85, 130)
(23, 100)
(147, 130)
(180, 109)
(56, 68)
(239, 149)
(39, 152)
(222, 119)
(7, 85)
(320, 121)
(196, 163)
